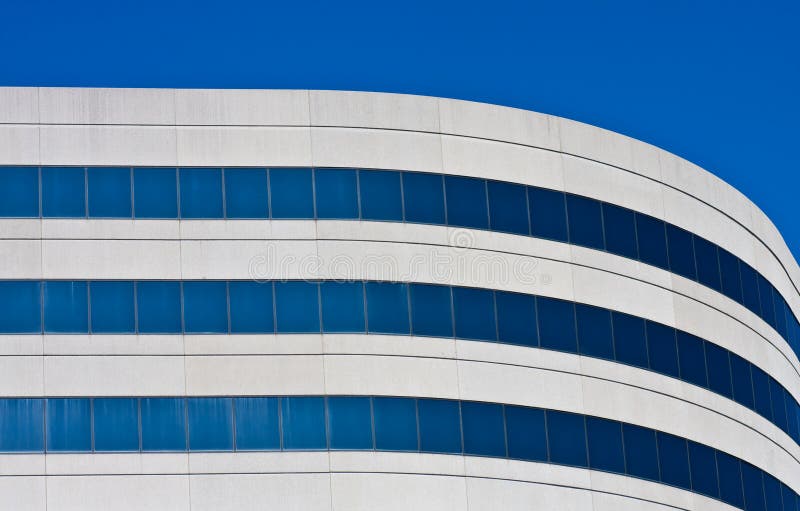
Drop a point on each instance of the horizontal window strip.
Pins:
(392, 196)
(397, 424)
(374, 307)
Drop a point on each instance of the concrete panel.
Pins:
(231, 107)
(254, 375)
(516, 495)
(23, 493)
(93, 228)
(118, 259)
(20, 105)
(20, 259)
(21, 344)
(106, 344)
(595, 143)
(106, 106)
(374, 110)
(242, 492)
(401, 492)
(21, 376)
(114, 376)
(19, 145)
(132, 493)
(243, 146)
(108, 145)
(24, 228)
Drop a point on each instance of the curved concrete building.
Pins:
(309, 300)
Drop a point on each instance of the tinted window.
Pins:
(342, 306)
(790, 498)
(630, 344)
(423, 195)
(731, 281)
(303, 420)
(336, 193)
(548, 212)
(761, 392)
(516, 318)
(297, 307)
(69, 425)
(767, 306)
(112, 307)
(257, 423)
(251, 307)
(620, 231)
(210, 424)
(381, 197)
(556, 324)
(439, 425)
(780, 314)
(155, 193)
(158, 306)
(772, 491)
(20, 307)
(742, 381)
(65, 306)
(466, 202)
(395, 423)
(605, 445)
(483, 429)
(291, 193)
(566, 433)
(163, 424)
(681, 252)
(387, 308)
(652, 240)
(205, 307)
(349, 423)
(662, 349)
(526, 433)
(109, 192)
(19, 192)
(691, 355)
(673, 460)
(594, 331)
(201, 193)
(430, 310)
(641, 453)
(703, 465)
(707, 263)
(116, 424)
(21, 425)
(730, 479)
(719, 370)
(585, 222)
(753, 488)
(474, 313)
(246, 193)
(508, 207)
(63, 192)
(750, 288)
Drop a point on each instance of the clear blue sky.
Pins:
(715, 81)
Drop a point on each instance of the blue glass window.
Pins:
(692, 358)
(753, 484)
(630, 344)
(20, 307)
(780, 315)
(620, 231)
(430, 310)
(251, 307)
(297, 307)
(155, 193)
(761, 392)
(423, 196)
(466, 202)
(350, 423)
(291, 193)
(246, 193)
(336, 192)
(112, 307)
(750, 296)
(516, 318)
(65, 306)
(116, 424)
(674, 460)
(303, 420)
(790, 499)
(439, 426)
(109, 192)
(772, 492)
(767, 306)
(201, 193)
(381, 196)
(556, 324)
(395, 423)
(63, 192)
(483, 429)
(527, 438)
(210, 424)
(205, 306)
(19, 192)
(566, 433)
(158, 307)
(719, 370)
(681, 252)
(257, 423)
(703, 465)
(652, 241)
(742, 381)
(342, 306)
(163, 424)
(585, 222)
(548, 211)
(594, 331)
(474, 313)
(662, 349)
(21, 425)
(730, 480)
(731, 280)
(708, 272)
(387, 308)
(508, 207)
(605, 445)
(641, 452)
(69, 425)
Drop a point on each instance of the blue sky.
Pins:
(717, 82)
